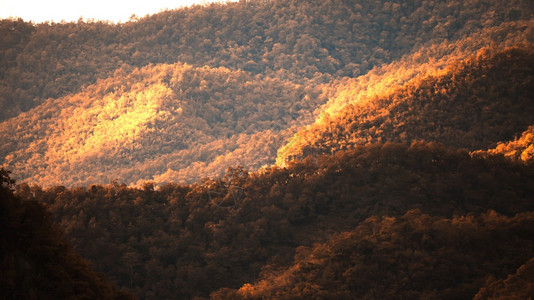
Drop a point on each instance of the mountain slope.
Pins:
(192, 240)
(169, 122)
(182, 123)
(515, 286)
(521, 148)
(121, 101)
(473, 104)
(36, 260)
(295, 38)
(416, 256)
(362, 199)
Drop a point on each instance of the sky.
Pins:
(71, 10)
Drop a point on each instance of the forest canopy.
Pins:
(37, 261)
(296, 39)
(180, 123)
(443, 217)
(460, 106)
(271, 149)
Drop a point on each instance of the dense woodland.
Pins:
(296, 38)
(472, 105)
(271, 149)
(521, 148)
(37, 262)
(434, 221)
(166, 123)
(179, 123)
(415, 256)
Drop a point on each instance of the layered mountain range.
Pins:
(185, 94)
(272, 149)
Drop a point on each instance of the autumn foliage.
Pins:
(280, 149)
(473, 105)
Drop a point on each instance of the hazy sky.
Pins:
(71, 10)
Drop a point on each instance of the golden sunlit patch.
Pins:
(102, 129)
(521, 148)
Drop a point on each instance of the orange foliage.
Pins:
(163, 123)
(458, 105)
(521, 148)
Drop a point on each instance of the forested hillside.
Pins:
(423, 219)
(472, 104)
(37, 262)
(292, 38)
(415, 256)
(260, 149)
(180, 123)
(163, 123)
(521, 148)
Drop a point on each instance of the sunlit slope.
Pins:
(292, 38)
(165, 122)
(521, 148)
(433, 59)
(473, 103)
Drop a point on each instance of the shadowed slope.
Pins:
(37, 263)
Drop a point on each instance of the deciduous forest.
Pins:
(271, 149)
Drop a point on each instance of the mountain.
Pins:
(424, 219)
(271, 149)
(473, 104)
(322, 39)
(180, 123)
(163, 123)
(416, 256)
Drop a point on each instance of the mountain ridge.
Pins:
(182, 123)
(157, 112)
(461, 107)
(272, 149)
(46, 60)
(231, 232)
